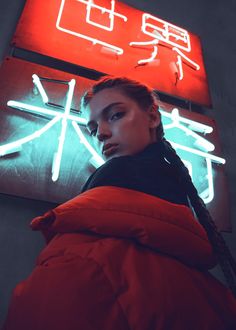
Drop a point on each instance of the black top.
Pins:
(146, 171)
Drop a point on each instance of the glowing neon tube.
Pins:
(58, 154)
(208, 194)
(35, 109)
(144, 43)
(12, 146)
(199, 153)
(200, 141)
(180, 66)
(202, 128)
(195, 65)
(111, 12)
(118, 50)
(154, 54)
(41, 90)
(164, 34)
(90, 3)
(98, 159)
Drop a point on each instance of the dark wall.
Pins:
(214, 21)
(19, 245)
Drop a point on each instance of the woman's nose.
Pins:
(103, 131)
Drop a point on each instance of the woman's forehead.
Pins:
(103, 99)
(109, 95)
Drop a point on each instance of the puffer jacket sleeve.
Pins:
(79, 296)
(119, 259)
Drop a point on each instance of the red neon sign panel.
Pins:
(111, 37)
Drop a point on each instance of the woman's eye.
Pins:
(116, 115)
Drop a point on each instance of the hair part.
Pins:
(137, 91)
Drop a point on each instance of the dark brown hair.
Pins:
(147, 98)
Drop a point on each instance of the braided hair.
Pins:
(147, 98)
(221, 250)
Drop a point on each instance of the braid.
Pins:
(225, 258)
(146, 97)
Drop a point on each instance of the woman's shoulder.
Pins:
(123, 171)
(110, 173)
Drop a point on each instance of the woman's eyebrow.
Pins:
(103, 113)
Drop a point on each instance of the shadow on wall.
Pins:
(19, 245)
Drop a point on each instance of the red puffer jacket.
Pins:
(121, 259)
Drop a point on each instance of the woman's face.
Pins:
(118, 124)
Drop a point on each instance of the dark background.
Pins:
(215, 22)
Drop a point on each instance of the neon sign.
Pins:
(167, 34)
(57, 116)
(164, 33)
(170, 120)
(89, 6)
(202, 147)
(113, 38)
(47, 153)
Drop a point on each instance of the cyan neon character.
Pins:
(172, 120)
(200, 147)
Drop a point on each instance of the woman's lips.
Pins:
(109, 149)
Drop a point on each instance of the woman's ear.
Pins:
(154, 117)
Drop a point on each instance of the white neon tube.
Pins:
(164, 34)
(12, 146)
(154, 54)
(35, 109)
(111, 12)
(200, 141)
(193, 124)
(143, 43)
(95, 41)
(90, 3)
(208, 194)
(98, 159)
(214, 158)
(58, 154)
(195, 65)
(180, 66)
(32, 108)
(41, 90)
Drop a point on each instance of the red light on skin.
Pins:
(111, 37)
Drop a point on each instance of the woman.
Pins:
(127, 253)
